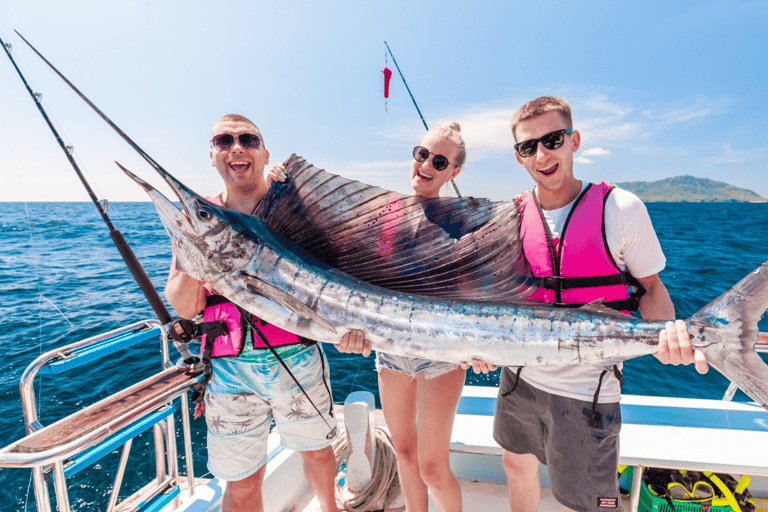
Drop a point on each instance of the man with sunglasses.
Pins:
(248, 387)
(585, 242)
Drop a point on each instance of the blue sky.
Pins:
(658, 89)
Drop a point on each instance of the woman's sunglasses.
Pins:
(439, 162)
(552, 140)
(225, 141)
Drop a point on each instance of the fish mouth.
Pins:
(169, 211)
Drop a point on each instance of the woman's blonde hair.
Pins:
(452, 131)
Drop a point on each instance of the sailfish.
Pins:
(443, 278)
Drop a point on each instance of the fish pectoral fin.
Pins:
(597, 306)
(284, 299)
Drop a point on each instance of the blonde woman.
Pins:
(419, 397)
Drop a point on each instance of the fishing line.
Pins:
(415, 105)
(81, 164)
(354, 381)
(137, 271)
(26, 497)
(32, 258)
(255, 330)
(57, 309)
(38, 98)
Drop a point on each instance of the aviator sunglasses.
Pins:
(439, 162)
(552, 140)
(225, 141)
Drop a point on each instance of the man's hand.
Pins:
(276, 173)
(675, 347)
(354, 342)
(479, 366)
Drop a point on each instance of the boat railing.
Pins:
(79, 440)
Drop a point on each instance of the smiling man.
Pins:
(584, 242)
(248, 387)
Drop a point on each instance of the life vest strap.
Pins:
(566, 283)
(595, 419)
(212, 330)
(216, 300)
(631, 303)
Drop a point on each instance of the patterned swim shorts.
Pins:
(244, 398)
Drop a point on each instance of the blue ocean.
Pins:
(62, 280)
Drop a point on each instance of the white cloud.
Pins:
(486, 128)
(728, 155)
(686, 109)
(377, 168)
(582, 160)
(595, 152)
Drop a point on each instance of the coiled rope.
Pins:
(384, 486)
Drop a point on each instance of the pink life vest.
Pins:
(578, 267)
(232, 343)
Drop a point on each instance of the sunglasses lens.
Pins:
(439, 162)
(420, 154)
(527, 148)
(249, 141)
(223, 141)
(553, 140)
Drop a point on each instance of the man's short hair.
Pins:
(237, 118)
(541, 106)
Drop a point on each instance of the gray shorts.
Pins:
(411, 366)
(582, 461)
(244, 398)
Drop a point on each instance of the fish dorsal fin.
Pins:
(451, 248)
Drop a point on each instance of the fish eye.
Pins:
(204, 213)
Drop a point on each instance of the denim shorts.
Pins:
(244, 398)
(413, 365)
(581, 460)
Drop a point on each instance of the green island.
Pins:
(690, 189)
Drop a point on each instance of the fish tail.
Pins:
(726, 331)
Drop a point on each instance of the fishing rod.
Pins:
(180, 346)
(137, 271)
(415, 105)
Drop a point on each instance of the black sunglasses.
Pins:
(552, 140)
(225, 141)
(439, 162)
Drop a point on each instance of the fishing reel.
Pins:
(182, 330)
